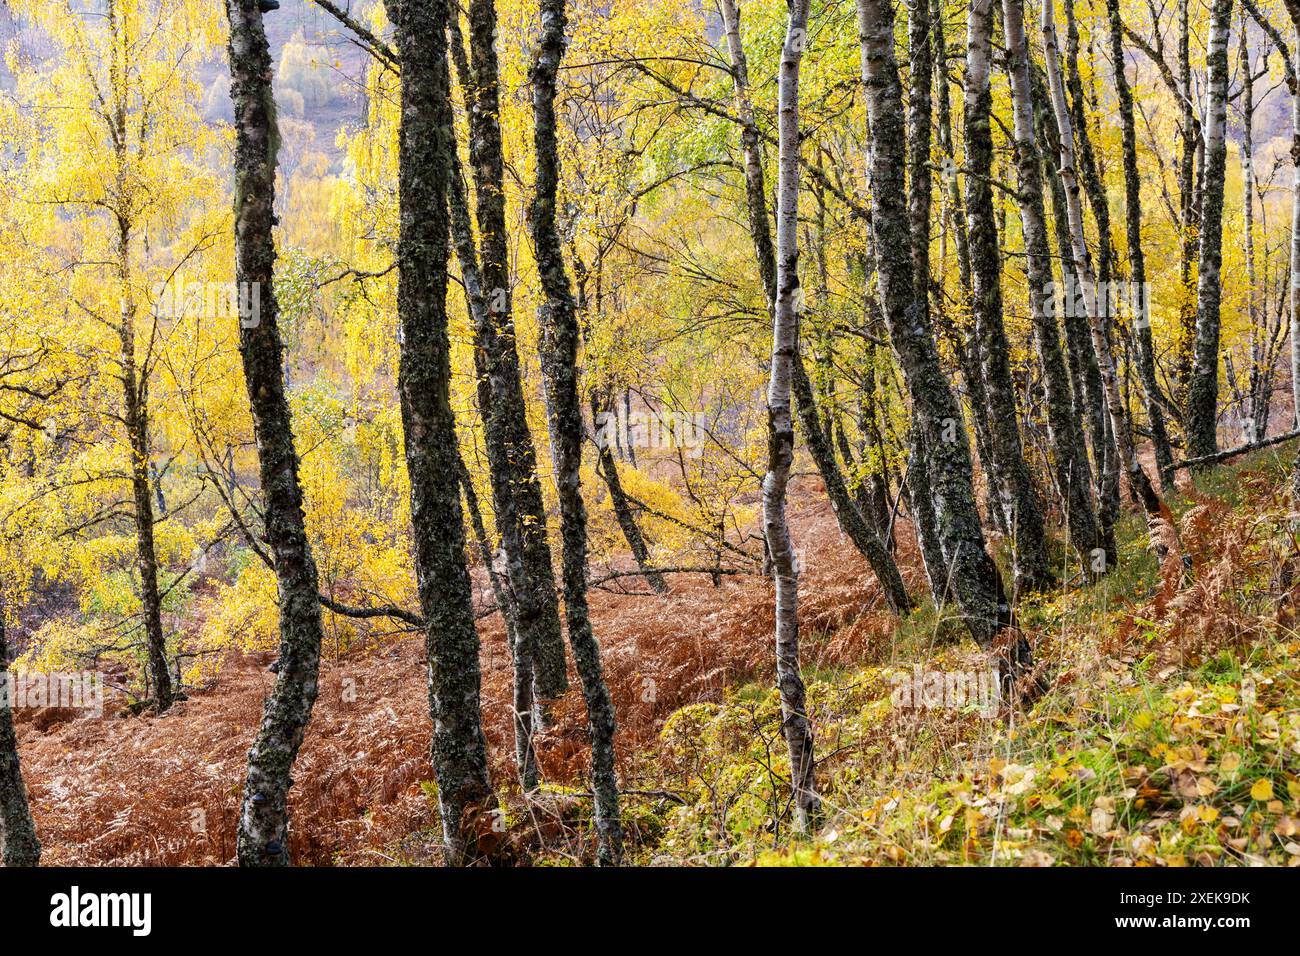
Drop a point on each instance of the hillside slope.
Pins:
(1169, 733)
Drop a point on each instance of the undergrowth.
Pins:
(1169, 734)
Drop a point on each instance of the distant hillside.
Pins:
(318, 71)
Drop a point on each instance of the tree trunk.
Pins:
(525, 752)
(1137, 260)
(520, 652)
(1085, 371)
(18, 843)
(135, 390)
(1192, 140)
(780, 428)
(1203, 389)
(1293, 9)
(976, 584)
(557, 317)
(1070, 455)
(1139, 484)
(512, 458)
(264, 818)
(426, 147)
(1019, 502)
(607, 468)
(820, 447)
(1090, 178)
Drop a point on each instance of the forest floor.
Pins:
(1169, 733)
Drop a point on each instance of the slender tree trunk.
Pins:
(976, 584)
(525, 752)
(558, 320)
(136, 416)
(1070, 455)
(607, 468)
(1293, 10)
(1085, 371)
(1029, 540)
(135, 389)
(850, 518)
(1095, 192)
(1192, 140)
(512, 458)
(18, 843)
(1203, 389)
(264, 818)
(1089, 176)
(426, 144)
(1248, 230)
(1137, 260)
(965, 344)
(785, 349)
(1139, 484)
(521, 653)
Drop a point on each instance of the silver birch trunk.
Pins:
(1139, 483)
(785, 345)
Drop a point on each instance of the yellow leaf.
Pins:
(1262, 790)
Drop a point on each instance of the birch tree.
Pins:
(512, 459)
(1010, 470)
(1203, 388)
(849, 515)
(1139, 483)
(976, 584)
(557, 317)
(785, 348)
(264, 815)
(426, 141)
(1070, 455)
(1146, 361)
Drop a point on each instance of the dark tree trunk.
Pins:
(1085, 369)
(976, 584)
(525, 752)
(920, 503)
(558, 320)
(425, 149)
(1139, 484)
(1137, 260)
(264, 818)
(607, 468)
(18, 843)
(1011, 472)
(1192, 144)
(521, 656)
(919, 99)
(1070, 455)
(1293, 10)
(1089, 175)
(135, 390)
(512, 459)
(1203, 389)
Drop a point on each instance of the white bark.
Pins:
(1139, 484)
(785, 340)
